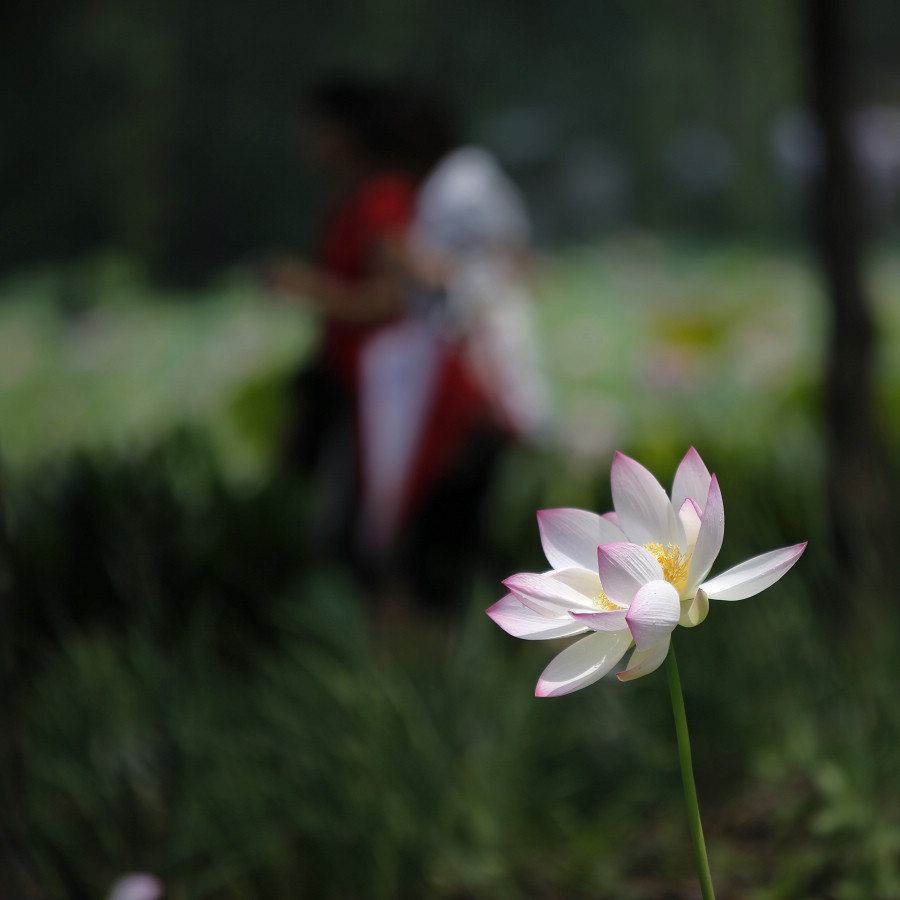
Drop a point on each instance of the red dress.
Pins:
(381, 208)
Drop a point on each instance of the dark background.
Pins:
(171, 130)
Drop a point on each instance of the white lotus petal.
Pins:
(586, 583)
(521, 622)
(653, 613)
(709, 540)
(547, 596)
(612, 517)
(695, 611)
(754, 575)
(643, 507)
(570, 537)
(691, 480)
(643, 662)
(624, 569)
(689, 515)
(609, 621)
(583, 663)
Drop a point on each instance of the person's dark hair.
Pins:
(400, 123)
(421, 121)
(354, 105)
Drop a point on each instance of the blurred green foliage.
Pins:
(206, 696)
(206, 702)
(644, 341)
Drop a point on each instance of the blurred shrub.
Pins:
(208, 699)
(151, 542)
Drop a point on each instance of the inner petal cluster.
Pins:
(675, 564)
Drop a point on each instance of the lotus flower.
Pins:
(137, 886)
(630, 576)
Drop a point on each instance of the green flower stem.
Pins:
(687, 776)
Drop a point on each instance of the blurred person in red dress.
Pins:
(398, 427)
(356, 284)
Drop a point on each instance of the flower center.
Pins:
(675, 564)
(601, 601)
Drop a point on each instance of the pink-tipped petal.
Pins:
(570, 537)
(612, 517)
(643, 662)
(645, 513)
(754, 575)
(653, 613)
(583, 663)
(691, 480)
(547, 596)
(624, 569)
(521, 622)
(608, 621)
(709, 538)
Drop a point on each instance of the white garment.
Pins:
(398, 373)
(468, 210)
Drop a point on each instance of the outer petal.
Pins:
(547, 596)
(645, 513)
(609, 621)
(709, 539)
(653, 614)
(691, 480)
(754, 575)
(625, 569)
(643, 662)
(521, 622)
(570, 537)
(581, 664)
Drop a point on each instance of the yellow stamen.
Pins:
(675, 564)
(601, 601)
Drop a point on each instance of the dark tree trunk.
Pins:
(860, 496)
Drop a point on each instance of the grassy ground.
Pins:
(206, 699)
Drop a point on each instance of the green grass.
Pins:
(207, 699)
(430, 765)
